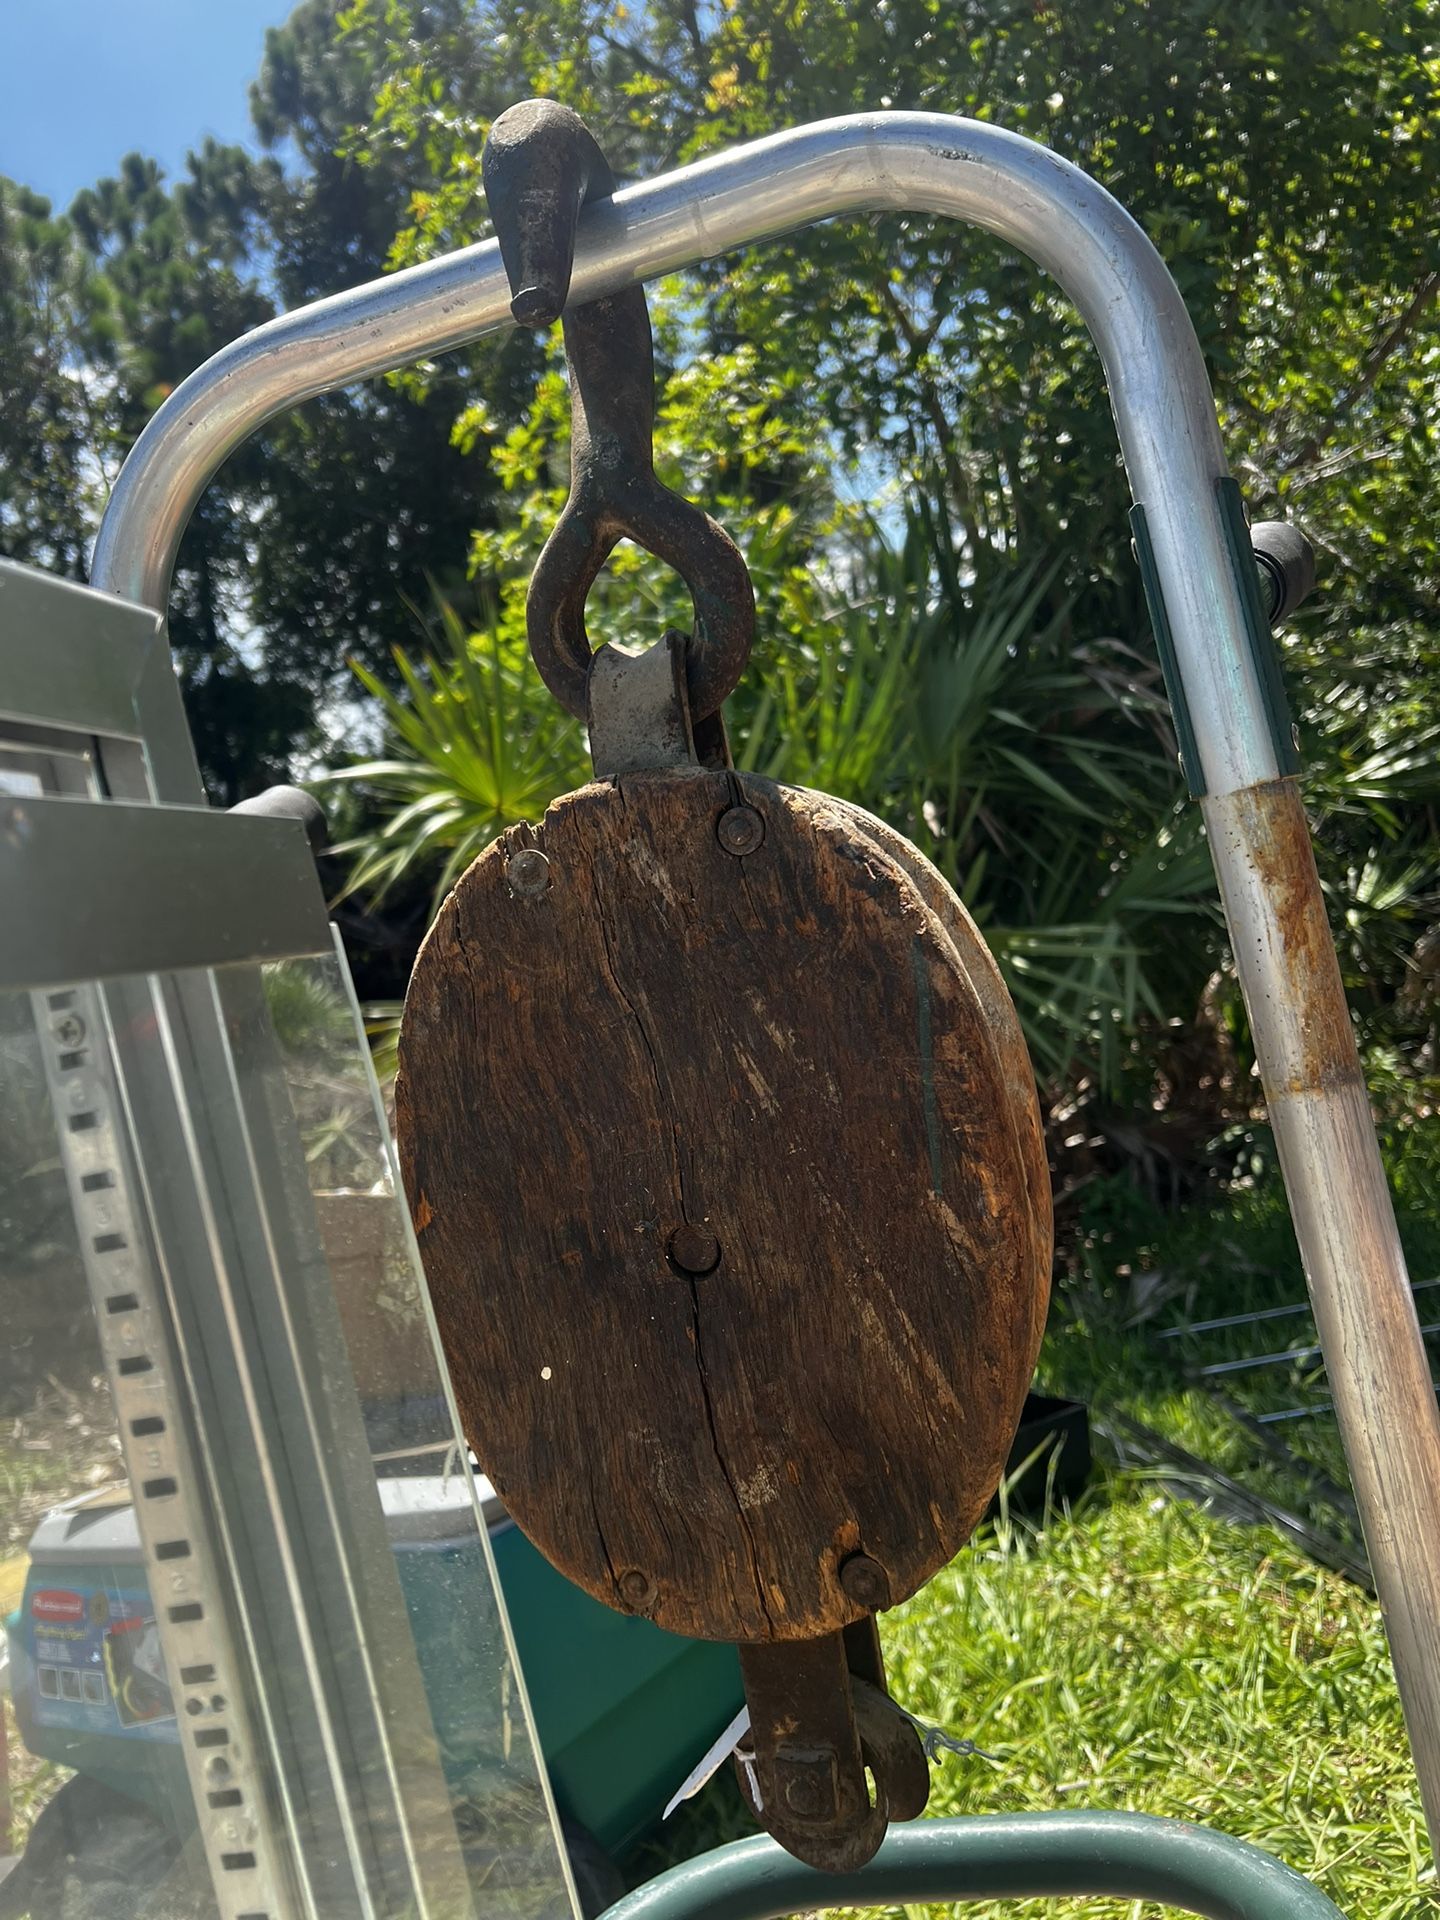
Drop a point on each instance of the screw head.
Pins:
(865, 1581)
(528, 873)
(808, 1781)
(740, 830)
(69, 1029)
(804, 1794)
(694, 1250)
(637, 1589)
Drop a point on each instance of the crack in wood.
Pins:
(665, 1104)
(720, 1459)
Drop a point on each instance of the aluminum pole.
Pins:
(1238, 760)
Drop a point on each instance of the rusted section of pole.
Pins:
(1375, 1359)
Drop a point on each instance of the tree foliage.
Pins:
(50, 299)
(902, 422)
(325, 533)
(1280, 159)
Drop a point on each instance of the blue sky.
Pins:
(84, 81)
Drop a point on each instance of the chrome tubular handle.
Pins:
(1210, 624)
(869, 163)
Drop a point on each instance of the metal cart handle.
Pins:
(1133, 1856)
(1200, 575)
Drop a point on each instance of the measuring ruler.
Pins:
(222, 1755)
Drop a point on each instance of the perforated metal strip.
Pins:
(221, 1754)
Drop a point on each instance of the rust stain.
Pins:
(424, 1213)
(1271, 820)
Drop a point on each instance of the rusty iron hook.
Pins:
(541, 165)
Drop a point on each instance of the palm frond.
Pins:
(475, 746)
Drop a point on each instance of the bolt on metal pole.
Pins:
(1200, 576)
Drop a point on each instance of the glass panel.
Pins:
(58, 1449)
(255, 1662)
(345, 1138)
(438, 1511)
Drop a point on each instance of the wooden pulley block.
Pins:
(719, 1134)
(722, 1147)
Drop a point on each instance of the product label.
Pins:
(97, 1661)
(55, 1603)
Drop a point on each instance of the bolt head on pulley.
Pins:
(808, 1783)
(740, 830)
(637, 1590)
(694, 1250)
(528, 873)
(865, 1582)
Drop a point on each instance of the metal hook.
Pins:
(541, 165)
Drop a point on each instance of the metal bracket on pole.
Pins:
(1165, 414)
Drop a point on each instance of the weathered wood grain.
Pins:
(1001, 1021)
(782, 1050)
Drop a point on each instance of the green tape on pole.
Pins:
(1169, 665)
(1263, 649)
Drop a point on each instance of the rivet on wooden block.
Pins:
(740, 830)
(637, 1589)
(865, 1581)
(528, 873)
(694, 1250)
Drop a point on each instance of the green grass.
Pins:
(1134, 1269)
(32, 1782)
(1144, 1651)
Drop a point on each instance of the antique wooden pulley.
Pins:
(720, 1140)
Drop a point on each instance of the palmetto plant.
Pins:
(1035, 769)
(476, 745)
